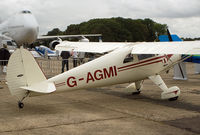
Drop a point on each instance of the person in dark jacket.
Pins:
(65, 56)
(4, 56)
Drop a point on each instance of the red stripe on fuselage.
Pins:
(141, 65)
(60, 84)
(168, 57)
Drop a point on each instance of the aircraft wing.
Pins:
(69, 36)
(91, 47)
(186, 47)
(4, 37)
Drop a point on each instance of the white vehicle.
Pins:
(125, 63)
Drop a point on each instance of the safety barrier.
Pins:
(50, 67)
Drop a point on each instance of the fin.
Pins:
(24, 74)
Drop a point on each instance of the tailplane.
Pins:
(24, 75)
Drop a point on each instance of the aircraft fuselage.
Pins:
(111, 69)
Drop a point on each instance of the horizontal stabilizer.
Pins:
(43, 87)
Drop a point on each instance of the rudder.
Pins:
(22, 71)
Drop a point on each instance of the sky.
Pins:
(181, 16)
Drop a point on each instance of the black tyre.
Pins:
(173, 99)
(20, 105)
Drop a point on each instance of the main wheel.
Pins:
(136, 93)
(173, 99)
(20, 105)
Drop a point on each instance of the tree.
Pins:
(117, 29)
(55, 31)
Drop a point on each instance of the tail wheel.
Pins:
(20, 105)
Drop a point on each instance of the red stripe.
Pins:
(60, 84)
(141, 65)
(141, 62)
(169, 56)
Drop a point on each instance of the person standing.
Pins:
(65, 56)
(81, 56)
(4, 57)
(75, 57)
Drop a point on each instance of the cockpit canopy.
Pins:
(26, 12)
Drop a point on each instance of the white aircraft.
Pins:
(124, 63)
(21, 27)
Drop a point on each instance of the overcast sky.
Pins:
(182, 16)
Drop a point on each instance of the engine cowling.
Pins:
(84, 40)
(53, 44)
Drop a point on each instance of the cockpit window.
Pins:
(128, 58)
(26, 12)
(145, 56)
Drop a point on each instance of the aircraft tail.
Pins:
(24, 75)
(165, 38)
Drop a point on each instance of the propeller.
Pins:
(169, 36)
(171, 40)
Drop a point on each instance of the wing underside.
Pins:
(90, 47)
(187, 47)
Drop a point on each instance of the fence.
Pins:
(50, 67)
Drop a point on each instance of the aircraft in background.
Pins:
(23, 29)
(11, 45)
(46, 52)
(122, 63)
(58, 40)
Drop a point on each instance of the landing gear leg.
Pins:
(20, 103)
(168, 93)
(138, 87)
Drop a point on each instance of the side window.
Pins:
(145, 56)
(128, 58)
(9, 43)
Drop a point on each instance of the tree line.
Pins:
(116, 29)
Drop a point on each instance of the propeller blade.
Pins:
(169, 35)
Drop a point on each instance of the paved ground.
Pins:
(106, 111)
